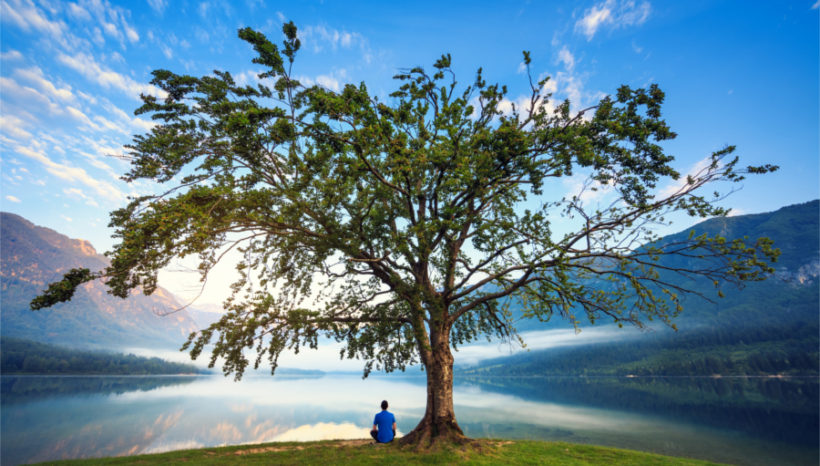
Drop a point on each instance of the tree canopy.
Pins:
(406, 226)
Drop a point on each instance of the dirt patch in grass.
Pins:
(281, 448)
(254, 451)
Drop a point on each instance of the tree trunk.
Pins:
(439, 421)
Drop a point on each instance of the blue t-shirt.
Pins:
(384, 420)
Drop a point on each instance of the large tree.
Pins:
(404, 228)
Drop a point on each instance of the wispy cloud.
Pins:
(13, 199)
(11, 55)
(35, 76)
(333, 81)
(26, 16)
(76, 192)
(565, 57)
(587, 189)
(113, 20)
(14, 126)
(319, 37)
(78, 12)
(71, 173)
(27, 98)
(680, 183)
(158, 5)
(614, 14)
(105, 77)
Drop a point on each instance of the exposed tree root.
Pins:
(429, 435)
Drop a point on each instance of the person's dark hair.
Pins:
(384, 404)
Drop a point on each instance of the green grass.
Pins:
(361, 452)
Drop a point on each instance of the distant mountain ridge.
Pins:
(32, 256)
(766, 327)
(795, 231)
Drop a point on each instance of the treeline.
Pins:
(787, 350)
(19, 356)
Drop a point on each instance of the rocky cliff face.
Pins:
(33, 256)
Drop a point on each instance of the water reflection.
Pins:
(53, 418)
(777, 409)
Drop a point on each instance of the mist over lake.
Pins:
(739, 421)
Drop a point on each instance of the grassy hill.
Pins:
(362, 452)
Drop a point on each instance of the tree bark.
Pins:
(439, 421)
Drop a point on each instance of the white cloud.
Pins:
(35, 76)
(11, 55)
(76, 192)
(78, 12)
(586, 189)
(565, 57)
(680, 183)
(550, 87)
(158, 5)
(319, 37)
(613, 13)
(14, 126)
(594, 18)
(169, 54)
(66, 218)
(249, 77)
(27, 16)
(130, 32)
(13, 199)
(333, 81)
(112, 20)
(203, 9)
(136, 124)
(78, 115)
(112, 30)
(98, 37)
(71, 173)
(105, 77)
(521, 104)
(329, 82)
(9, 88)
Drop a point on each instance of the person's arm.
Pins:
(375, 427)
(394, 427)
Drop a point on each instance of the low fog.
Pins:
(326, 357)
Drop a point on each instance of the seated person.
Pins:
(384, 425)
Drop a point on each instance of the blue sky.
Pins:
(734, 72)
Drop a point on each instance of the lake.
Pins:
(732, 420)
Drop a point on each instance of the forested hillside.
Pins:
(29, 357)
(768, 327)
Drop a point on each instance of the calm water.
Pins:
(741, 421)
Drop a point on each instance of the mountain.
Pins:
(794, 230)
(205, 314)
(765, 327)
(31, 257)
